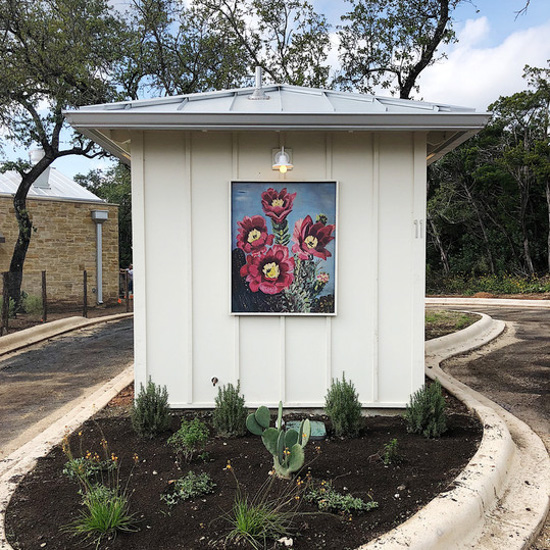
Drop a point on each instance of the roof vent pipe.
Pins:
(258, 92)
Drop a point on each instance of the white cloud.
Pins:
(475, 76)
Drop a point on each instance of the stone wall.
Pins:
(63, 245)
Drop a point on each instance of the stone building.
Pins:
(66, 238)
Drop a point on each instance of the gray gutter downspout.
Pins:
(99, 216)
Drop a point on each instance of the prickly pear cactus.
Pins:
(287, 447)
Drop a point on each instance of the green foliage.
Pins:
(190, 486)
(425, 413)
(114, 186)
(330, 500)
(492, 284)
(343, 408)
(106, 512)
(267, 515)
(11, 307)
(32, 304)
(388, 43)
(191, 438)
(150, 412)
(391, 454)
(87, 467)
(229, 417)
(286, 447)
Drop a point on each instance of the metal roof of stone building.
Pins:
(281, 107)
(54, 186)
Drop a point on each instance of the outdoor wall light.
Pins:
(282, 161)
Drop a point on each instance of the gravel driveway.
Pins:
(38, 385)
(514, 371)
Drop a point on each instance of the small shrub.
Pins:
(425, 413)
(229, 417)
(329, 500)
(87, 467)
(150, 413)
(190, 439)
(32, 304)
(391, 454)
(190, 486)
(106, 512)
(267, 515)
(343, 408)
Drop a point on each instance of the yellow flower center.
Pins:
(271, 270)
(254, 235)
(311, 242)
(278, 202)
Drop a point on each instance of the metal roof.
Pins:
(285, 108)
(57, 186)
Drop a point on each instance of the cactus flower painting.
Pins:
(283, 241)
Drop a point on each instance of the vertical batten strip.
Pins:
(375, 239)
(282, 331)
(139, 252)
(236, 318)
(188, 215)
(329, 164)
(419, 261)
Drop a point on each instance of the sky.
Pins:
(494, 44)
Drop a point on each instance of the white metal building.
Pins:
(185, 151)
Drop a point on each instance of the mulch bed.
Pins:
(46, 500)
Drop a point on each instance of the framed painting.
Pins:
(283, 248)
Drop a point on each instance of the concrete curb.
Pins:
(14, 467)
(39, 333)
(476, 302)
(501, 499)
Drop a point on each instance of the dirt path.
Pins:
(514, 371)
(38, 385)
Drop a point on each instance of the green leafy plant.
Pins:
(391, 454)
(229, 417)
(106, 512)
(343, 408)
(329, 500)
(150, 413)
(267, 515)
(190, 486)
(11, 307)
(425, 413)
(190, 440)
(32, 304)
(105, 501)
(287, 447)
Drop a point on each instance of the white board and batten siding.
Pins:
(184, 332)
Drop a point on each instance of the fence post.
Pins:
(44, 298)
(85, 305)
(5, 304)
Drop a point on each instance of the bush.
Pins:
(190, 439)
(190, 486)
(329, 500)
(32, 304)
(343, 408)
(150, 413)
(425, 413)
(229, 418)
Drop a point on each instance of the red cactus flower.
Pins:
(252, 236)
(270, 272)
(277, 205)
(311, 239)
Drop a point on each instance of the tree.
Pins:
(55, 54)
(114, 186)
(388, 43)
(287, 38)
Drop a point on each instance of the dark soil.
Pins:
(46, 500)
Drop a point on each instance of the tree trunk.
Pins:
(20, 250)
(548, 211)
(439, 246)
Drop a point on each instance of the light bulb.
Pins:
(283, 168)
